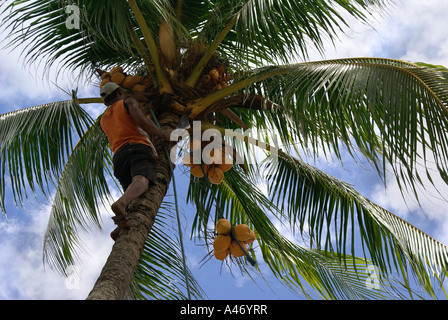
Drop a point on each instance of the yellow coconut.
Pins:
(223, 226)
(198, 170)
(235, 249)
(218, 156)
(221, 70)
(206, 79)
(251, 238)
(103, 82)
(195, 144)
(105, 75)
(215, 175)
(222, 158)
(117, 78)
(221, 255)
(225, 166)
(221, 243)
(138, 88)
(128, 82)
(117, 69)
(214, 74)
(212, 156)
(242, 232)
(138, 79)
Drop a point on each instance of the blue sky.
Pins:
(414, 30)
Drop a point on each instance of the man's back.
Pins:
(120, 128)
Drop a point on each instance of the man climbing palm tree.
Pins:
(127, 130)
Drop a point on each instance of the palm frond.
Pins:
(191, 14)
(392, 112)
(160, 273)
(301, 269)
(102, 39)
(34, 143)
(339, 219)
(82, 189)
(270, 31)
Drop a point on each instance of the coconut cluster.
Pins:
(136, 83)
(231, 240)
(213, 164)
(215, 79)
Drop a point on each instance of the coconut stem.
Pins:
(195, 75)
(221, 215)
(232, 232)
(165, 86)
(246, 252)
(140, 48)
(201, 105)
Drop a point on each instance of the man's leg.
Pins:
(137, 162)
(138, 186)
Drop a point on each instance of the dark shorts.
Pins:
(132, 160)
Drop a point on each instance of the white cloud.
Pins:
(416, 31)
(429, 213)
(22, 273)
(411, 30)
(25, 86)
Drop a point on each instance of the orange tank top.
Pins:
(120, 128)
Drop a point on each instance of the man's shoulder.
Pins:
(130, 103)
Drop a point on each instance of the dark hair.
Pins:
(111, 97)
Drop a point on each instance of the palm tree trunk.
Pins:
(118, 271)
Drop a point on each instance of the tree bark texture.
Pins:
(118, 271)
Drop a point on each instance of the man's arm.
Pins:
(142, 121)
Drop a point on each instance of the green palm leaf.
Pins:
(255, 32)
(326, 209)
(393, 112)
(299, 268)
(272, 29)
(80, 192)
(160, 273)
(34, 143)
(102, 40)
(280, 29)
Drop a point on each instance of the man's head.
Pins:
(111, 92)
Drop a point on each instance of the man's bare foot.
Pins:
(120, 220)
(118, 208)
